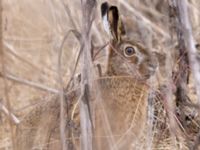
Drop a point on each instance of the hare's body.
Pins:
(122, 114)
(118, 115)
(123, 105)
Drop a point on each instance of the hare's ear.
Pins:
(112, 22)
(104, 15)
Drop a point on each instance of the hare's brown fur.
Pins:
(123, 100)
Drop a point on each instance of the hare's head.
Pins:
(126, 57)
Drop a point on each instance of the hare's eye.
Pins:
(129, 51)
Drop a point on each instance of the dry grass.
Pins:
(32, 34)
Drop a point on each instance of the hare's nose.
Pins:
(152, 67)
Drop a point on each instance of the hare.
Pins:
(120, 116)
(129, 67)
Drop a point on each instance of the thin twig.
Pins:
(61, 91)
(28, 83)
(99, 50)
(68, 12)
(6, 111)
(78, 36)
(61, 96)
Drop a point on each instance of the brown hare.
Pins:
(125, 92)
(119, 116)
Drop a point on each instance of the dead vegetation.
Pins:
(45, 45)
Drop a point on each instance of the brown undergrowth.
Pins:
(33, 33)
